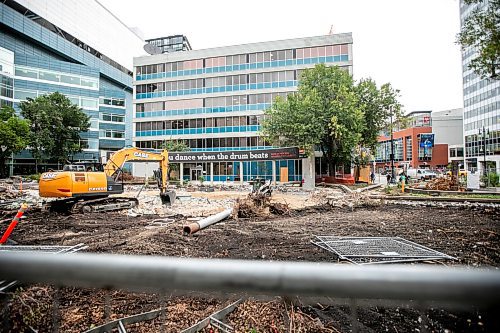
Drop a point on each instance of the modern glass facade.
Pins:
(481, 109)
(39, 55)
(171, 43)
(214, 99)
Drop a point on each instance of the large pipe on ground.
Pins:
(195, 226)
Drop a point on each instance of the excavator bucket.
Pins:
(167, 198)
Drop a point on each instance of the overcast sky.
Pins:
(409, 43)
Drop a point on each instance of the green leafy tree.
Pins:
(373, 115)
(481, 31)
(177, 146)
(14, 134)
(323, 113)
(56, 124)
(391, 111)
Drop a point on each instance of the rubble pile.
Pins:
(11, 199)
(443, 184)
(186, 205)
(258, 205)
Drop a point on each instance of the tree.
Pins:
(324, 112)
(177, 146)
(391, 111)
(374, 117)
(14, 134)
(56, 125)
(481, 31)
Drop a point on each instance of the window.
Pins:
(94, 124)
(112, 134)
(112, 117)
(89, 103)
(49, 76)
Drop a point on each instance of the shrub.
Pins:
(35, 176)
(492, 179)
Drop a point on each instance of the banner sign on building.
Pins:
(426, 140)
(235, 156)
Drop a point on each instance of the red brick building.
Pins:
(407, 150)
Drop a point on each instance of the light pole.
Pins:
(392, 149)
(484, 134)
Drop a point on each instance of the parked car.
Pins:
(420, 174)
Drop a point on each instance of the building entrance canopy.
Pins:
(236, 155)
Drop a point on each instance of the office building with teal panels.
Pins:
(213, 99)
(75, 48)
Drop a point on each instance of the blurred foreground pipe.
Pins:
(195, 226)
(467, 286)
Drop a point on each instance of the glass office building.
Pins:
(75, 48)
(172, 43)
(213, 99)
(481, 110)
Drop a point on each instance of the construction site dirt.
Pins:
(472, 236)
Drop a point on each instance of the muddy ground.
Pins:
(471, 236)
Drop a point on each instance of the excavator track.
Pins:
(75, 206)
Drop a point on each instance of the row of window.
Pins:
(57, 77)
(481, 97)
(229, 142)
(476, 139)
(113, 101)
(478, 85)
(208, 102)
(204, 130)
(240, 87)
(259, 57)
(493, 149)
(259, 65)
(482, 123)
(83, 102)
(207, 110)
(383, 151)
(482, 110)
(197, 123)
(475, 144)
(220, 81)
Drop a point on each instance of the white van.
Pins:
(420, 174)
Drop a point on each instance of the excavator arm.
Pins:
(115, 164)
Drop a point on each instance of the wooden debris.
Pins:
(258, 205)
(443, 184)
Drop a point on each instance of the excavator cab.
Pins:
(84, 166)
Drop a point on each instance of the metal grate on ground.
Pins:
(43, 248)
(377, 250)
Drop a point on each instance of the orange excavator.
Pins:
(86, 187)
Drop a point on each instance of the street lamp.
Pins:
(392, 148)
(485, 133)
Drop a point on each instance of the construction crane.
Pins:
(86, 187)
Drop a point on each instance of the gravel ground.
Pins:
(471, 236)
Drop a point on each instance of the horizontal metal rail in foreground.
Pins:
(147, 273)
